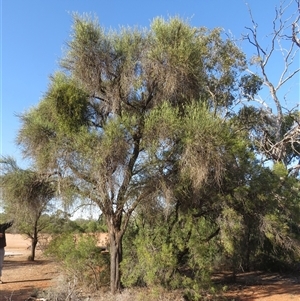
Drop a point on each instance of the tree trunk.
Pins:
(34, 241)
(115, 260)
(247, 253)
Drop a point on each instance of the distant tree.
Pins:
(26, 195)
(59, 222)
(132, 115)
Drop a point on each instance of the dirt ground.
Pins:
(23, 278)
(264, 287)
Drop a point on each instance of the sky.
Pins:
(33, 34)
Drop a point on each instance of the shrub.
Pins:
(81, 260)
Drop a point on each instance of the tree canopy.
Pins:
(134, 113)
(27, 194)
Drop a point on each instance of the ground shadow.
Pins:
(12, 264)
(19, 295)
(258, 285)
(29, 281)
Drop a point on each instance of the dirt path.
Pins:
(22, 278)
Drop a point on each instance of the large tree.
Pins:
(274, 113)
(132, 115)
(26, 194)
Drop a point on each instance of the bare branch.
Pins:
(279, 38)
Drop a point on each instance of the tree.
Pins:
(277, 126)
(26, 194)
(273, 123)
(131, 116)
(260, 214)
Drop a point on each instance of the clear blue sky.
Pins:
(33, 33)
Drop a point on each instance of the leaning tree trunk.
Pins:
(115, 260)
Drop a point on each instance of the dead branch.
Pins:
(287, 46)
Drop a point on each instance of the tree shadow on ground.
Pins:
(257, 285)
(11, 265)
(19, 295)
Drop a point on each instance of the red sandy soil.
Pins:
(22, 278)
(265, 287)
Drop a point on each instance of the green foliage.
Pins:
(27, 195)
(25, 185)
(162, 123)
(70, 103)
(251, 84)
(232, 229)
(205, 142)
(177, 43)
(80, 258)
(57, 225)
(174, 254)
(258, 217)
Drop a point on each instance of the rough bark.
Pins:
(115, 260)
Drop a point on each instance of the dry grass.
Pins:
(65, 290)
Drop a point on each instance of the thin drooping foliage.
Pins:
(27, 195)
(103, 127)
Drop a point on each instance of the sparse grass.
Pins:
(66, 290)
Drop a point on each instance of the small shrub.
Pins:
(81, 260)
(62, 289)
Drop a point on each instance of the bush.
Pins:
(176, 258)
(81, 260)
